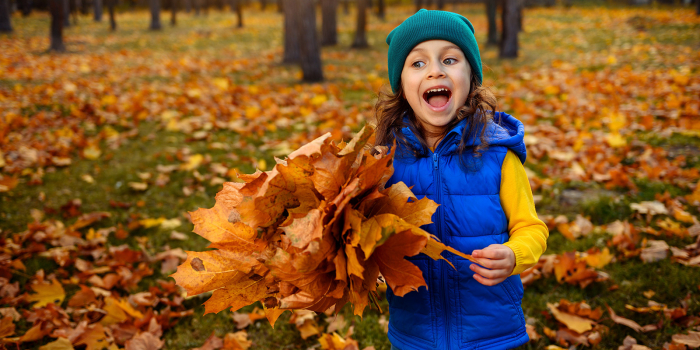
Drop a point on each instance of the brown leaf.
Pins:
(144, 341)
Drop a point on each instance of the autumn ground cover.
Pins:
(105, 149)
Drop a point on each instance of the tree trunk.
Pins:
(419, 5)
(292, 37)
(57, 9)
(509, 38)
(239, 12)
(173, 12)
(263, 5)
(5, 24)
(311, 66)
(75, 11)
(197, 6)
(329, 30)
(440, 4)
(491, 8)
(66, 13)
(521, 5)
(697, 8)
(346, 6)
(381, 10)
(361, 29)
(26, 7)
(112, 17)
(280, 6)
(188, 6)
(155, 15)
(97, 7)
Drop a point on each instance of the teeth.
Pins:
(437, 90)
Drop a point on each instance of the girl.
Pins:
(454, 148)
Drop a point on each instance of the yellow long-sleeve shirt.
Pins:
(528, 234)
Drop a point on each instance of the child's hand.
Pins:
(499, 261)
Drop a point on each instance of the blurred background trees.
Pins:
(298, 31)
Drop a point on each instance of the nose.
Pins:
(436, 71)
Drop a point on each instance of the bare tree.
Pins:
(329, 30)
(173, 12)
(381, 9)
(5, 24)
(239, 12)
(57, 11)
(491, 7)
(97, 8)
(292, 53)
(361, 29)
(112, 18)
(66, 13)
(155, 14)
(509, 38)
(26, 7)
(311, 66)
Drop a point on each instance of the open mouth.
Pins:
(438, 96)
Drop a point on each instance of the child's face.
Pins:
(431, 65)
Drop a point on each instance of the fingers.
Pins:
(491, 274)
(494, 264)
(491, 253)
(488, 281)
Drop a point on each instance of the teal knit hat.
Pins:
(427, 25)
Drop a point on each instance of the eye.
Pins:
(449, 61)
(418, 64)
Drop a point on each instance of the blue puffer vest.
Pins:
(456, 311)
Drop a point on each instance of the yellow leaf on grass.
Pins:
(193, 162)
(47, 293)
(221, 83)
(319, 100)
(92, 152)
(615, 140)
(575, 323)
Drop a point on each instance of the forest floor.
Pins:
(105, 149)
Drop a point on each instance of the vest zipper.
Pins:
(438, 187)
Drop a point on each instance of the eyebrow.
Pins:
(444, 48)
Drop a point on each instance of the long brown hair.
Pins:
(391, 108)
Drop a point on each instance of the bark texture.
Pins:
(174, 4)
(491, 9)
(57, 11)
(66, 13)
(97, 7)
(5, 24)
(509, 38)
(361, 29)
(26, 7)
(155, 15)
(311, 66)
(292, 53)
(239, 12)
(329, 30)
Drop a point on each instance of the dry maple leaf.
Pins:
(47, 293)
(313, 233)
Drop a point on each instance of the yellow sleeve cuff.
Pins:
(528, 234)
